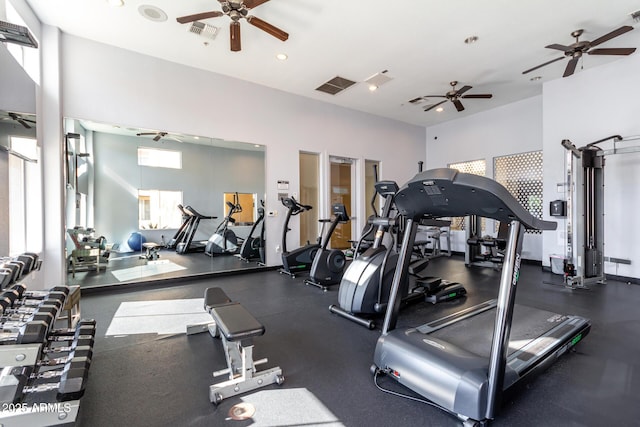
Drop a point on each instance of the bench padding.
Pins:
(235, 323)
(214, 297)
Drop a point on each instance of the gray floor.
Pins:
(163, 380)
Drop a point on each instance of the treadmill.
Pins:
(187, 245)
(468, 362)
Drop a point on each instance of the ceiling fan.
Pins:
(22, 120)
(157, 137)
(579, 48)
(453, 95)
(236, 10)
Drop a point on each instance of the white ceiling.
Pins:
(419, 42)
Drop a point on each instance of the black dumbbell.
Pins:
(29, 333)
(24, 297)
(71, 386)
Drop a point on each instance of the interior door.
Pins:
(341, 191)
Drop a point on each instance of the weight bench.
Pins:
(236, 327)
(152, 251)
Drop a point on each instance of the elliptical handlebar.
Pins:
(294, 206)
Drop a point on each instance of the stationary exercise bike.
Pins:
(223, 240)
(298, 260)
(328, 264)
(253, 247)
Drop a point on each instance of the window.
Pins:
(476, 167)
(24, 196)
(156, 158)
(25, 148)
(521, 174)
(158, 209)
(27, 57)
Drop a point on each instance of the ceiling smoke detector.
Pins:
(202, 29)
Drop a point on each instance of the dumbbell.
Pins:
(29, 333)
(10, 321)
(84, 335)
(22, 294)
(82, 353)
(73, 379)
(11, 298)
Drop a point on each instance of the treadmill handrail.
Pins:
(446, 192)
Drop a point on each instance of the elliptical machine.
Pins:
(366, 284)
(223, 240)
(253, 247)
(300, 259)
(328, 264)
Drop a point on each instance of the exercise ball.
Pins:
(135, 241)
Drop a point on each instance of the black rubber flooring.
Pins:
(152, 380)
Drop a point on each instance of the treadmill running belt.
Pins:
(528, 324)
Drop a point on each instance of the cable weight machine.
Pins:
(584, 261)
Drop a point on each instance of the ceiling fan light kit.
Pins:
(237, 10)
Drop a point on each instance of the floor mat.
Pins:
(151, 269)
(159, 317)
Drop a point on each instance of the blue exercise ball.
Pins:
(135, 241)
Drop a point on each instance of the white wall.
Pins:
(586, 107)
(510, 129)
(112, 85)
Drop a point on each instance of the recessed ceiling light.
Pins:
(471, 40)
(152, 13)
(115, 3)
(536, 78)
(282, 56)
(439, 109)
(373, 88)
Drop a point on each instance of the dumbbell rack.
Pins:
(43, 370)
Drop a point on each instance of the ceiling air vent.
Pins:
(335, 85)
(204, 30)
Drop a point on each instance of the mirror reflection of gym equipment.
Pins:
(164, 217)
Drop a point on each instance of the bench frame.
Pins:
(241, 368)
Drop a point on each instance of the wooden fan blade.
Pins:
(478, 96)
(612, 34)
(234, 32)
(435, 105)
(463, 89)
(157, 137)
(434, 96)
(268, 28)
(253, 3)
(458, 104)
(542, 65)
(613, 51)
(23, 123)
(571, 67)
(198, 17)
(414, 100)
(558, 47)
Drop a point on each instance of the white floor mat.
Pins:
(157, 317)
(151, 269)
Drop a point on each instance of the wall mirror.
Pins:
(150, 205)
(20, 191)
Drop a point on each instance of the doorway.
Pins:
(341, 190)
